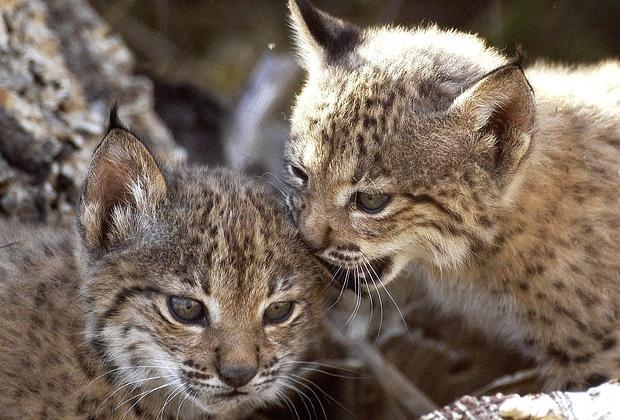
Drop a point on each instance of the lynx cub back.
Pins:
(499, 187)
(188, 295)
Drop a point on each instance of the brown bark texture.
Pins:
(61, 68)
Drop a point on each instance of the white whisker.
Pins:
(172, 395)
(342, 288)
(368, 266)
(326, 394)
(288, 402)
(372, 304)
(310, 389)
(133, 383)
(357, 297)
(317, 364)
(393, 301)
(140, 397)
(302, 394)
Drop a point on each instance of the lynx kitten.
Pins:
(189, 295)
(499, 187)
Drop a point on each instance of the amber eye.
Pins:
(299, 173)
(186, 310)
(371, 202)
(278, 312)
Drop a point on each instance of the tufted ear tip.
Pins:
(114, 121)
(123, 177)
(319, 37)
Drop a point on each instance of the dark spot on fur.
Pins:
(586, 298)
(377, 159)
(533, 270)
(369, 122)
(324, 136)
(587, 229)
(427, 199)
(570, 385)
(523, 286)
(608, 343)
(575, 268)
(125, 294)
(531, 315)
(138, 410)
(592, 251)
(389, 101)
(348, 247)
(583, 358)
(558, 355)
(47, 251)
(596, 379)
(360, 144)
(548, 252)
(558, 285)
(485, 221)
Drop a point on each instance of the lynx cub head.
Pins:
(195, 283)
(405, 144)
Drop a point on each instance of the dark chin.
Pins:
(349, 278)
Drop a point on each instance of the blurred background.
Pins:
(224, 81)
(208, 58)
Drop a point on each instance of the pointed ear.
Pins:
(123, 182)
(501, 109)
(319, 36)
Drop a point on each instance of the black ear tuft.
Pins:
(123, 183)
(114, 120)
(320, 34)
(331, 33)
(519, 57)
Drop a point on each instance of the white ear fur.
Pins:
(308, 51)
(501, 104)
(123, 183)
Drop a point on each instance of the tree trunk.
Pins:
(61, 68)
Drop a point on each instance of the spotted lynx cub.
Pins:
(189, 295)
(499, 187)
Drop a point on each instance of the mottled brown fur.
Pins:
(504, 183)
(81, 333)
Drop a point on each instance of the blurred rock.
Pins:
(195, 118)
(251, 143)
(596, 403)
(60, 70)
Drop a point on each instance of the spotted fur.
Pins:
(90, 334)
(504, 183)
